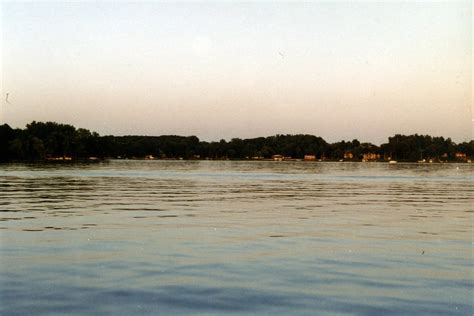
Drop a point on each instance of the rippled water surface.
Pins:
(212, 237)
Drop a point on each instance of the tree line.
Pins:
(50, 140)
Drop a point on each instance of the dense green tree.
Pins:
(419, 147)
(51, 140)
(7, 135)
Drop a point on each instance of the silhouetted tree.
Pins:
(47, 140)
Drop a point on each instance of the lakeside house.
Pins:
(460, 156)
(59, 158)
(371, 157)
(348, 155)
(278, 157)
(309, 157)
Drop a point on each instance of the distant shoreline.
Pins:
(50, 141)
(105, 160)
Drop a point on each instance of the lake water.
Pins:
(222, 237)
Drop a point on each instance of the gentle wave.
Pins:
(176, 237)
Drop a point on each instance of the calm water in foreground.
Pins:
(215, 237)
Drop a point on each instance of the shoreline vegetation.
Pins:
(50, 141)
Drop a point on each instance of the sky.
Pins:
(218, 70)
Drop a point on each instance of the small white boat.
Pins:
(392, 161)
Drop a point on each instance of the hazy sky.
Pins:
(340, 70)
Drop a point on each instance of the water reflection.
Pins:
(245, 237)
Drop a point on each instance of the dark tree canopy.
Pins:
(51, 140)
